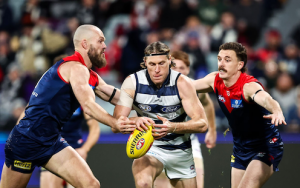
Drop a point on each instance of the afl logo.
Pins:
(140, 143)
(144, 107)
(170, 108)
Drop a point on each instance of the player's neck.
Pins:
(86, 59)
(232, 79)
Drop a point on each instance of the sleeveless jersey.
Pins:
(150, 101)
(249, 128)
(51, 104)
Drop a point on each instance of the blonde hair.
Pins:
(156, 48)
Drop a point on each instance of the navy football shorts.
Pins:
(24, 154)
(270, 154)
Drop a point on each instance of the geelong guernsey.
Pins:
(150, 101)
(51, 104)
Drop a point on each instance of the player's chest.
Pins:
(231, 99)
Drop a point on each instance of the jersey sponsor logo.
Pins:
(236, 103)
(144, 107)
(170, 108)
(140, 143)
(232, 158)
(35, 94)
(23, 165)
(221, 98)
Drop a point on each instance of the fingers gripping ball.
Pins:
(139, 142)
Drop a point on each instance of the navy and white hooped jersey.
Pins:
(249, 129)
(150, 101)
(51, 104)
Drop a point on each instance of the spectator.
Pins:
(197, 58)
(293, 117)
(87, 11)
(210, 11)
(223, 32)
(9, 91)
(284, 92)
(290, 62)
(174, 14)
(193, 24)
(145, 14)
(273, 48)
(6, 18)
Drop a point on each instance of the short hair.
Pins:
(180, 55)
(240, 52)
(156, 48)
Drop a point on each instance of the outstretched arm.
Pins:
(205, 84)
(211, 135)
(94, 133)
(253, 91)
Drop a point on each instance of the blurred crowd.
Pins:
(34, 32)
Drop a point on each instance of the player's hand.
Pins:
(125, 126)
(82, 152)
(276, 118)
(210, 139)
(141, 123)
(163, 128)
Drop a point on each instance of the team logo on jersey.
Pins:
(228, 93)
(273, 140)
(236, 103)
(144, 107)
(232, 158)
(140, 144)
(221, 98)
(23, 165)
(192, 167)
(80, 141)
(170, 108)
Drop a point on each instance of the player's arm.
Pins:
(253, 91)
(107, 92)
(211, 135)
(124, 104)
(192, 107)
(205, 84)
(86, 97)
(93, 136)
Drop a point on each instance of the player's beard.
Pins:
(97, 60)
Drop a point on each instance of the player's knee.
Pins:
(143, 183)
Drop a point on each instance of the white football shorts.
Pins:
(196, 146)
(177, 163)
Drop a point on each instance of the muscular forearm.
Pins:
(210, 114)
(94, 133)
(192, 126)
(272, 106)
(97, 112)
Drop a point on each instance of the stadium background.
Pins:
(34, 32)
